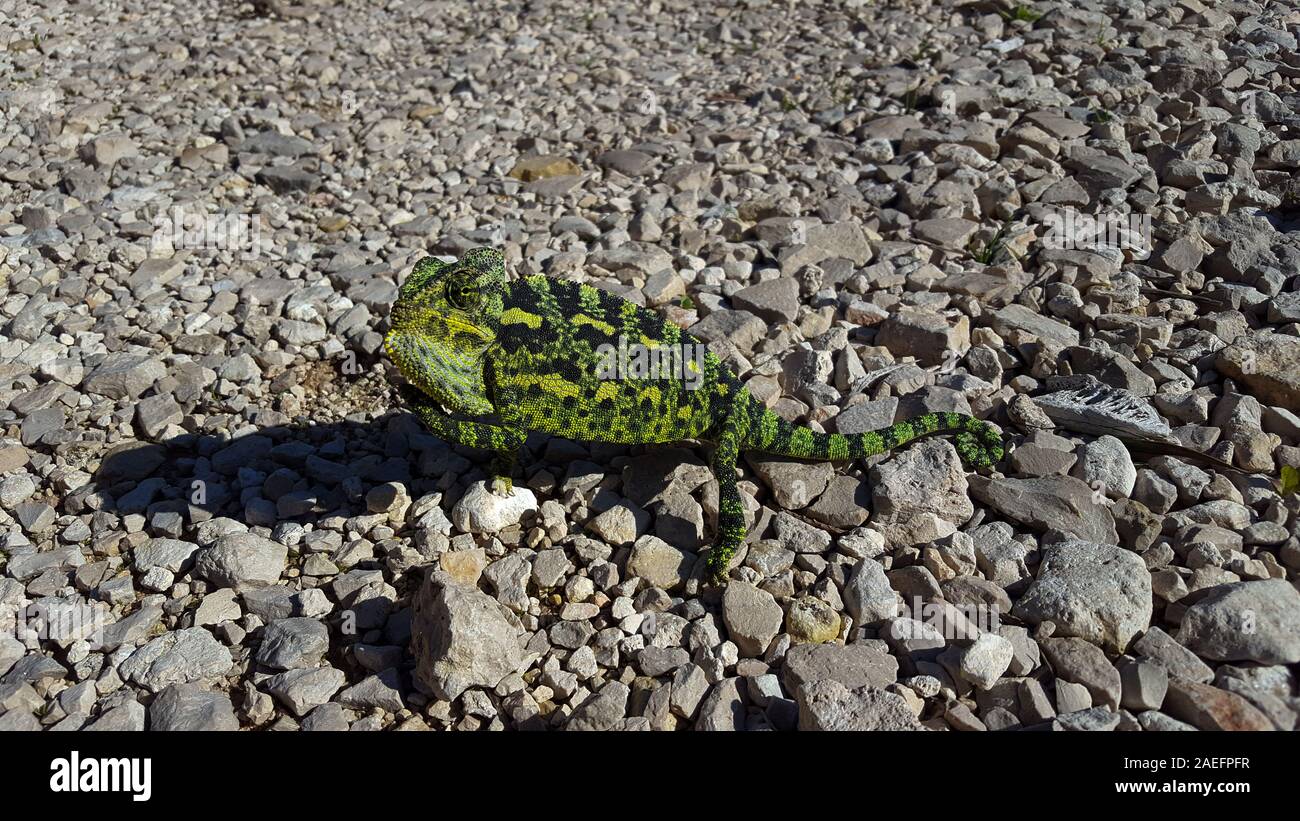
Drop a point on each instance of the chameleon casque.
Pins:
(524, 356)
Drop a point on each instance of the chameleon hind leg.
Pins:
(502, 441)
(731, 511)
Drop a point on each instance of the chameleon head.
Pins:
(444, 320)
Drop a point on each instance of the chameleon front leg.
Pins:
(502, 441)
(731, 511)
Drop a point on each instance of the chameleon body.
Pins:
(527, 355)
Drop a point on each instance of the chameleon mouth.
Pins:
(460, 326)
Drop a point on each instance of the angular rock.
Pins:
(601, 710)
(1061, 503)
(794, 483)
(1097, 592)
(1143, 685)
(930, 337)
(776, 300)
(1086, 405)
(853, 665)
(1247, 621)
(659, 563)
(1209, 708)
(723, 709)
(1267, 363)
(177, 657)
(124, 376)
(927, 478)
(242, 561)
(829, 705)
(461, 638)
(291, 643)
(185, 707)
(986, 660)
(1160, 648)
(171, 554)
(303, 690)
(1080, 662)
(752, 616)
(482, 511)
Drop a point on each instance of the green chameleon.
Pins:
(526, 355)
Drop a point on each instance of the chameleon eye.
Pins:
(461, 295)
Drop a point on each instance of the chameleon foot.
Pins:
(718, 567)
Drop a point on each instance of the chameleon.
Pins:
(487, 359)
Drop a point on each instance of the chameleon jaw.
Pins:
(461, 326)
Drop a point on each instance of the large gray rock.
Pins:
(659, 563)
(829, 705)
(128, 717)
(1160, 648)
(329, 717)
(1020, 322)
(290, 643)
(482, 511)
(242, 561)
(1105, 464)
(1269, 364)
(461, 638)
(182, 707)
(172, 554)
(1143, 684)
(868, 595)
(109, 149)
(1061, 503)
(927, 335)
(303, 690)
(752, 616)
(927, 478)
(1246, 621)
(177, 657)
(776, 300)
(382, 690)
(602, 709)
(25, 567)
(844, 240)
(723, 709)
(1080, 662)
(124, 375)
(1097, 592)
(853, 665)
(793, 482)
(1089, 406)
(35, 668)
(845, 504)
(19, 721)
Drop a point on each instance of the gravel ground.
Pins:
(869, 209)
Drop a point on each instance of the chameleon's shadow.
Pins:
(278, 473)
(285, 475)
(301, 473)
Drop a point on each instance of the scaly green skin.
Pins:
(527, 353)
